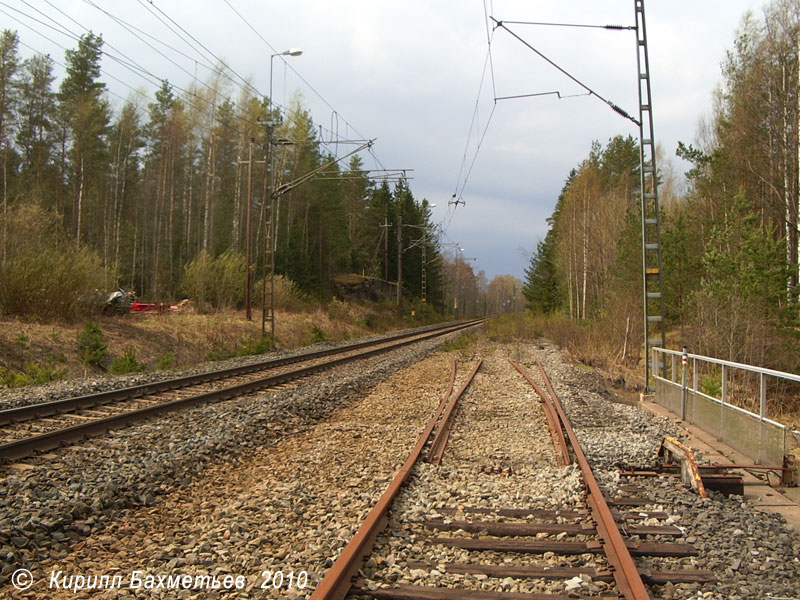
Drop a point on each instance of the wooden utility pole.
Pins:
(249, 235)
(386, 248)
(400, 265)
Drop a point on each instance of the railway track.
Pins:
(419, 543)
(48, 425)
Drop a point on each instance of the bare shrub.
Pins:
(287, 295)
(215, 282)
(45, 275)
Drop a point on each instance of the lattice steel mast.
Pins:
(654, 328)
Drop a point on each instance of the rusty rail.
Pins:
(556, 432)
(338, 580)
(436, 451)
(626, 575)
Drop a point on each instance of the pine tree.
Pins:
(9, 97)
(86, 116)
(36, 136)
(541, 289)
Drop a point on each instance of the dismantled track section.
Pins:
(41, 427)
(496, 535)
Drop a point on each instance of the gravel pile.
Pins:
(57, 500)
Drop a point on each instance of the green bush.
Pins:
(166, 361)
(255, 345)
(11, 379)
(34, 373)
(462, 342)
(317, 335)
(46, 276)
(712, 385)
(21, 341)
(219, 352)
(287, 295)
(92, 349)
(127, 363)
(247, 347)
(424, 313)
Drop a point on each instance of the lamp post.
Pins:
(269, 237)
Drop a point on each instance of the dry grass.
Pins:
(596, 345)
(185, 336)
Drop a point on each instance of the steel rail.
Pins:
(47, 441)
(556, 432)
(46, 409)
(439, 443)
(626, 574)
(338, 580)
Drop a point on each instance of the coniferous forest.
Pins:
(152, 194)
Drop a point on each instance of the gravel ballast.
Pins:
(752, 552)
(280, 481)
(50, 503)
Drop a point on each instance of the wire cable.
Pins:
(472, 124)
(194, 39)
(281, 109)
(190, 99)
(554, 93)
(286, 63)
(137, 33)
(465, 170)
(611, 27)
(105, 72)
(126, 62)
(620, 111)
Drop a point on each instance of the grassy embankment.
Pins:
(32, 352)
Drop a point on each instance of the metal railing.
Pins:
(753, 434)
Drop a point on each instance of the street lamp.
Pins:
(269, 237)
(289, 52)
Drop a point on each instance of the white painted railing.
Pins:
(754, 434)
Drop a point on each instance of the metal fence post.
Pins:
(654, 358)
(684, 366)
(724, 401)
(762, 413)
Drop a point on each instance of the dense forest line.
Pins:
(154, 196)
(730, 241)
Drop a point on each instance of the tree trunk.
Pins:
(78, 202)
(585, 246)
(207, 217)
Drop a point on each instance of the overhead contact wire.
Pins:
(460, 186)
(126, 62)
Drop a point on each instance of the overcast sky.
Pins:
(409, 74)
